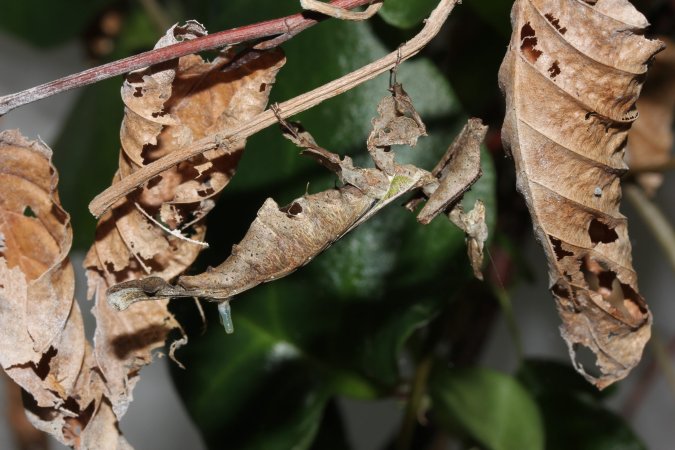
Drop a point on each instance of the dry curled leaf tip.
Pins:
(571, 77)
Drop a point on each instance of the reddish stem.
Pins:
(284, 28)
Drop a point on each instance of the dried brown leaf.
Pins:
(167, 107)
(650, 140)
(42, 343)
(397, 123)
(457, 171)
(571, 77)
(280, 240)
(476, 230)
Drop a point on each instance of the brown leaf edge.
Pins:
(158, 229)
(64, 394)
(280, 240)
(571, 78)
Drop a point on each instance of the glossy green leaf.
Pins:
(48, 23)
(262, 387)
(573, 410)
(492, 407)
(86, 154)
(406, 13)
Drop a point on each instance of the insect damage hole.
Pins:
(292, 210)
(528, 42)
(559, 251)
(586, 360)
(556, 23)
(605, 282)
(600, 232)
(28, 212)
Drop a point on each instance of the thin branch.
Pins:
(285, 26)
(156, 14)
(655, 220)
(340, 13)
(641, 387)
(661, 167)
(663, 361)
(289, 108)
(414, 405)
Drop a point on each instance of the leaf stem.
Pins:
(157, 15)
(107, 198)
(285, 28)
(419, 389)
(663, 361)
(660, 167)
(655, 220)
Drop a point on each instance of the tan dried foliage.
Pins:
(456, 171)
(475, 228)
(167, 107)
(571, 76)
(650, 140)
(280, 240)
(43, 347)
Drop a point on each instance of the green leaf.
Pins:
(48, 23)
(332, 434)
(261, 387)
(491, 407)
(573, 410)
(86, 154)
(406, 13)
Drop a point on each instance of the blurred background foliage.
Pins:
(391, 310)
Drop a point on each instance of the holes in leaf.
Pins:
(28, 212)
(599, 232)
(556, 23)
(606, 283)
(528, 42)
(560, 291)
(263, 86)
(42, 367)
(586, 359)
(560, 252)
(293, 209)
(554, 70)
(138, 92)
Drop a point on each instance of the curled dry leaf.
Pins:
(476, 230)
(43, 347)
(397, 123)
(457, 171)
(280, 240)
(167, 107)
(571, 77)
(650, 140)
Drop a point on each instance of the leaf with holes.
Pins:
(157, 229)
(571, 76)
(42, 346)
(280, 240)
